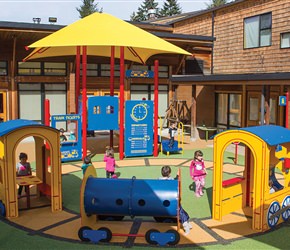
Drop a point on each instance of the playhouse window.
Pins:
(110, 109)
(97, 110)
(276, 179)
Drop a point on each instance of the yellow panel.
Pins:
(226, 200)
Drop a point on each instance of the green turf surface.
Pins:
(14, 238)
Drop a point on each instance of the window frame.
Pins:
(5, 68)
(260, 30)
(42, 69)
(284, 33)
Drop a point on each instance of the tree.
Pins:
(216, 3)
(88, 7)
(144, 10)
(170, 8)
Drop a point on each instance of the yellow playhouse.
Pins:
(47, 175)
(262, 189)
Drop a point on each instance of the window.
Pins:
(106, 70)
(285, 40)
(36, 93)
(258, 31)
(29, 68)
(3, 68)
(42, 68)
(228, 111)
(92, 69)
(54, 69)
(140, 91)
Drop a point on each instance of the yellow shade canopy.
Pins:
(100, 31)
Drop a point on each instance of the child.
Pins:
(198, 172)
(87, 162)
(23, 168)
(62, 135)
(172, 130)
(110, 162)
(183, 215)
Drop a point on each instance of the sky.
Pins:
(66, 13)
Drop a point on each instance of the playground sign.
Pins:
(139, 73)
(139, 128)
(282, 100)
(71, 149)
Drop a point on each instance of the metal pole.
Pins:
(122, 78)
(84, 101)
(156, 65)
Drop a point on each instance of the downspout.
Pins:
(212, 34)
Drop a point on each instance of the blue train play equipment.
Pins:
(127, 197)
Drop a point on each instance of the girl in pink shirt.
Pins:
(198, 172)
(110, 162)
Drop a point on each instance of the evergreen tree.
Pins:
(88, 7)
(170, 8)
(142, 13)
(216, 3)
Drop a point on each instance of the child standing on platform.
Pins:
(110, 162)
(183, 215)
(198, 172)
(23, 168)
(172, 131)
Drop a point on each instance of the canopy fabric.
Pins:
(100, 31)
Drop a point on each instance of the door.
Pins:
(3, 107)
(254, 109)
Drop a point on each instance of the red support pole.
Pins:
(286, 111)
(47, 123)
(112, 86)
(77, 79)
(155, 128)
(46, 113)
(84, 101)
(122, 79)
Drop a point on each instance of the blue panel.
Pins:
(271, 134)
(103, 113)
(139, 128)
(139, 73)
(70, 150)
(282, 100)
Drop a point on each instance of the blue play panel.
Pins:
(166, 149)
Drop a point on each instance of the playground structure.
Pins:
(47, 178)
(267, 153)
(177, 145)
(127, 197)
(102, 114)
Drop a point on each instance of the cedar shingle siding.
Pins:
(229, 55)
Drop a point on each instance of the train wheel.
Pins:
(274, 208)
(286, 203)
(109, 234)
(148, 236)
(81, 234)
(175, 239)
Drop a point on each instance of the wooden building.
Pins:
(25, 85)
(249, 66)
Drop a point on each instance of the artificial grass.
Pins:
(14, 238)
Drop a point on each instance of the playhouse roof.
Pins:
(271, 134)
(11, 125)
